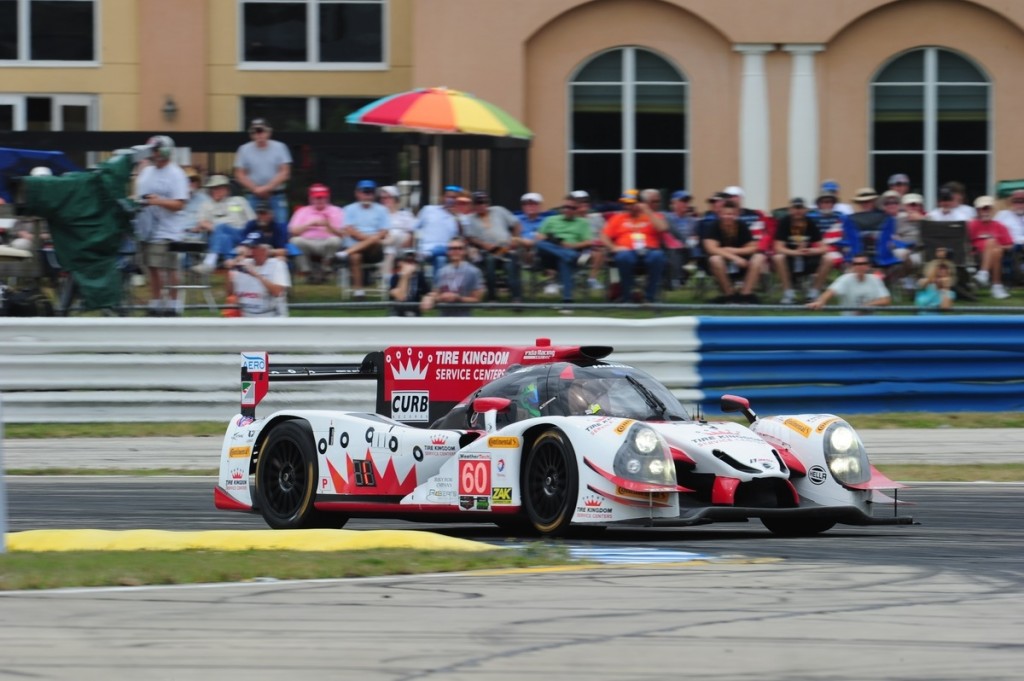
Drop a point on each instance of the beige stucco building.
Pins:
(772, 95)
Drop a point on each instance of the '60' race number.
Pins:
(475, 477)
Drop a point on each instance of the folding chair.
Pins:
(950, 237)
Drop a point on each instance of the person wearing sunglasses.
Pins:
(857, 289)
(458, 281)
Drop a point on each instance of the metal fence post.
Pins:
(3, 493)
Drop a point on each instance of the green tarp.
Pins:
(89, 217)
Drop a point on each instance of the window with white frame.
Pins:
(47, 31)
(348, 34)
(43, 113)
(931, 119)
(628, 126)
(306, 113)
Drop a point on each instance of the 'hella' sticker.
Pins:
(817, 475)
(410, 405)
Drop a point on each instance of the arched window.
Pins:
(931, 120)
(628, 126)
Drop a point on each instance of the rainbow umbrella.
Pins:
(440, 110)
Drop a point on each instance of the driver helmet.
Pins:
(162, 145)
(529, 399)
(40, 171)
(584, 397)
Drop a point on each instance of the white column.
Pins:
(803, 122)
(755, 139)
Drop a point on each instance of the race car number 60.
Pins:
(475, 477)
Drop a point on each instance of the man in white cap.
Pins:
(755, 220)
(899, 183)
(224, 218)
(260, 283)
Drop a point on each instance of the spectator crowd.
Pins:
(465, 249)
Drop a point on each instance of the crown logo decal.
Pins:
(438, 440)
(591, 502)
(409, 370)
(236, 474)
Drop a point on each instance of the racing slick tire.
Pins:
(550, 483)
(286, 479)
(786, 527)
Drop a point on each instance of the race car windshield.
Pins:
(620, 392)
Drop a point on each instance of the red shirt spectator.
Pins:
(979, 231)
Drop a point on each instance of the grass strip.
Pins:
(21, 571)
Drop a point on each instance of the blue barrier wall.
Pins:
(864, 364)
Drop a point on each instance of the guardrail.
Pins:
(98, 369)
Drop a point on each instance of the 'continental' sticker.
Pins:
(825, 424)
(503, 442)
(798, 426)
(238, 453)
(624, 426)
(501, 495)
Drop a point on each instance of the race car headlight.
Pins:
(644, 457)
(845, 455)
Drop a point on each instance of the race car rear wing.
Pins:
(415, 385)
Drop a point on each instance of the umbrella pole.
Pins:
(437, 153)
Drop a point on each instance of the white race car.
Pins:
(537, 438)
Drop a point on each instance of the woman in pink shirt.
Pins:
(315, 229)
(990, 239)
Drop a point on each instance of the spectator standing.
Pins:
(224, 218)
(367, 225)
(409, 286)
(494, 232)
(317, 231)
(560, 241)
(797, 249)
(732, 251)
(258, 281)
(989, 239)
(163, 189)
(436, 226)
(458, 281)
(263, 167)
(633, 236)
(936, 290)
(859, 288)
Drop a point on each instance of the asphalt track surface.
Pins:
(939, 600)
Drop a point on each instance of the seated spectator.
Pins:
(258, 281)
(197, 198)
(839, 237)
(682, 225)
(797, 249)
(732, 252)
(436, 226)
(273, 232)
(633, 236)
(899, 183)
(831, 187)
(989, 240)
(560, 241)
(936, 291)
(1012, 217)
(494, 232)
(949, 209)
(596, 221)
(530, 216)
(409, 286)
(864, 226)
(402, 221)
(317, 231)
(458, 282)
(900, 246)
(860, 288)
(224, 219)
(367, 226)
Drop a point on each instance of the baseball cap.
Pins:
(480, 197)
(452, 188)
(629, 196)
(367, 185)
(319, 190)
(681, 195)
(579, 195)
(390, 190)
(830, 187)
(913, 198)
(733, 191)
(946, 194)
(898, 178)
(254, 239)
(529, 197)
(259, 123)
(828, 196)
(984, 202)
(797, 202)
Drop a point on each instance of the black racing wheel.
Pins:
(550, 483)
(286, 479)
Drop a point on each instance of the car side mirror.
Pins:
(735, 403)
(490, 407)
